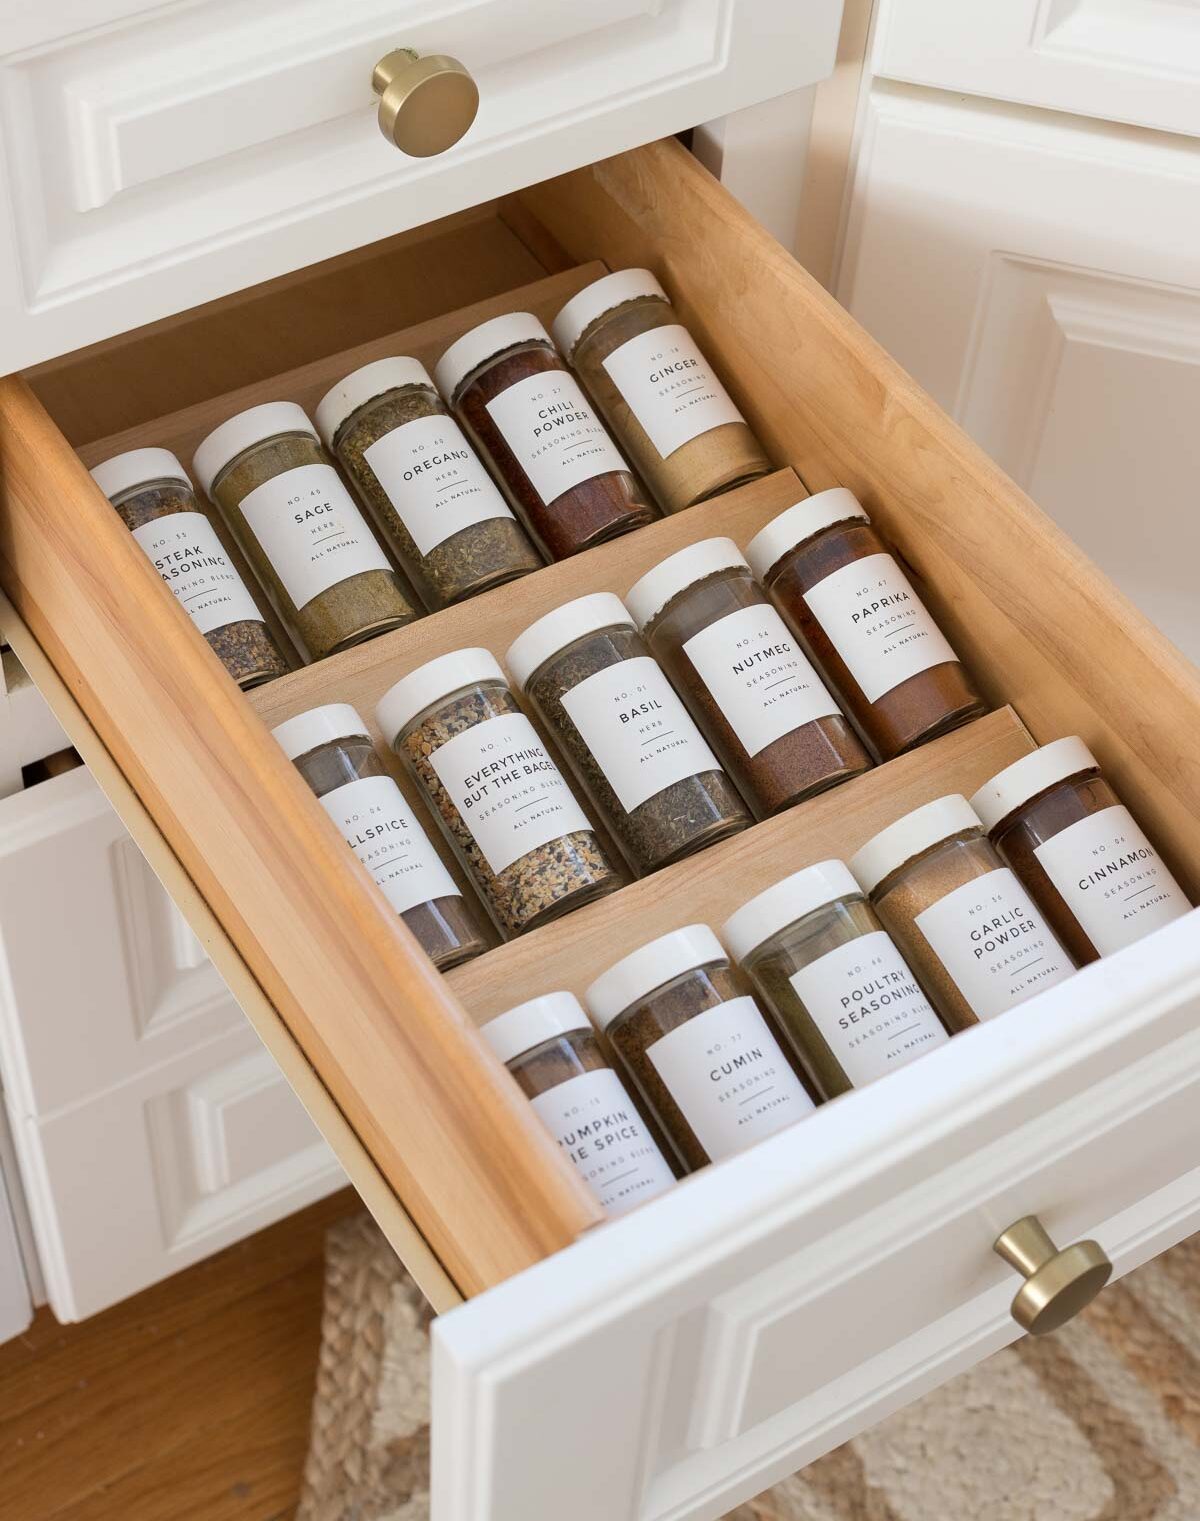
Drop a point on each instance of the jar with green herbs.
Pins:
(826, 968)
(333, 752)
(434, 503)
(499, 796)
(630, 742)
(299, 527)
(154, 499)
(657, 391)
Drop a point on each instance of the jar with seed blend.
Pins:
(966, 926)
(1078, 850)
(437, 508)
(839, 586)
(549, 1046)
(657, 391)
(525, 412)
(331, 583)
(629, 740)
(839, 989)
(744, 678)
(694, 1043)
(502, 801)
(334, 754)
(154, 499)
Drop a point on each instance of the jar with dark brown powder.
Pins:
(837, 583)
(629, 740)
(744, 678)
(549, 1046)
(525, 413)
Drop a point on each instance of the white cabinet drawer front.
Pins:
(181, 153)
(1120, 60)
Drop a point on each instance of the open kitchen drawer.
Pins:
(674, 1362)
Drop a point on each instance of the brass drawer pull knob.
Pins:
(1057, 1284)
(425, 104)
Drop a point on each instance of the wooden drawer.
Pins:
(672, 1363)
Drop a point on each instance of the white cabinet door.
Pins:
(1041, 276)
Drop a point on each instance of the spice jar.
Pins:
(629, 740)
(334, 754)
(437, 508)
(746, 681)
(838, 988)
(502, 801)
(966, 926)
(658, 393)
(526, 414)
(1077, 850)
(154, 498)
(331, 583)
(549, 1046)
(696, 1047)
(839, 586)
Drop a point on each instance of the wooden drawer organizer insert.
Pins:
(391, 1041)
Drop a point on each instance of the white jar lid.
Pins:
(601, 296)
(363, 385)
(649, 967)
(1032, 774)
(136, 467)
(318, 726)
(800, 522)
(557, 629)
(481, 343)
(647, 598)
(789, 900)
(529, 1024)
(413, 693)
(909, 836)
(242, 430)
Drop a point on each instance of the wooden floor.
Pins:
(188, 1403)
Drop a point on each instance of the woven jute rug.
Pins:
(1100, 1422)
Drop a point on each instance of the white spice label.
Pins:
(877, 624)
(995, 945)
(726, 1072)
(1112, 878)
(311, 531)
(558, 440)
(187, 554)
(509, 793)
(869, 1007)
(593, 1120)
(758, 676)
(434, 480)
(631, 719)
(670, 387)
(377, 824)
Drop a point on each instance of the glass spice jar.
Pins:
(549, 1046)
(838, 585)
(334, 754)
(505, 808)
(1078, 850)
(435, 505)
(745, 680)
(524, 411)
(629, 740)
(964, 923)
(296, 523)
(696, 1047)
(838, 988)
(657, 391)
(154, 499)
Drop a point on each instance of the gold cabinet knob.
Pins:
(425, 104)
(1057, 1284)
